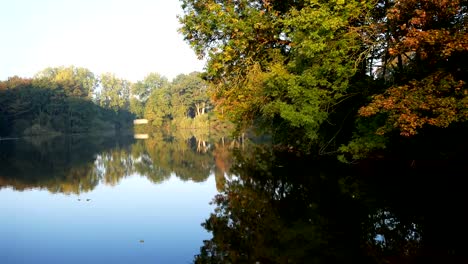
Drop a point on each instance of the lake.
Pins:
(92, 200)
(210, 199)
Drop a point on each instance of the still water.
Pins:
(82, 200)
(185, 199)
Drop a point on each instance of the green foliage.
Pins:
(157, 109)
(189, 97)
(312, 72)
(57, 101)
(72, 100)
(115, 92)
(282, 65)
(181, 103)
(72, 81)
(141, 91)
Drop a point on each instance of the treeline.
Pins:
(75, 100)
(44, 105)
(347, 78)
(184, 102)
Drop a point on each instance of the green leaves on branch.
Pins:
(115, 92)
(303, 69)
(275, 63)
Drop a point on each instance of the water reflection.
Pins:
(93, 199)
(280, 208)
(272, 206)
(74, 165)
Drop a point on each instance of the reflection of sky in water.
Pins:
(40, 227)
(385, 221)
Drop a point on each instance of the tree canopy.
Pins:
(323, 74)
(75, 100)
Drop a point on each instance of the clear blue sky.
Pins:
(130, 38)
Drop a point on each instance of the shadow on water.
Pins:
(281, 208)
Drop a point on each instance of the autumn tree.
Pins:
(422, 48)
(320, 74)
(284, 65)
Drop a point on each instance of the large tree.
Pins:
(286, 64)
(189, 95)
(316, 72)
(418, 57)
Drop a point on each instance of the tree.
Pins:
(141, 90)
(73, 81)
(157, 109)
(115, 92)
(318, 74)
(420, 48)
(284, 65)
(189, 95)
(429, 47)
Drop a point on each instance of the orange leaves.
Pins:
(427, 27)
(434, 101)
(392, 51)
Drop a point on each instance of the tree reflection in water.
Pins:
(284, 209)
(273, 206)
(73, 165)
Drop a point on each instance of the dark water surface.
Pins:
(121, 200)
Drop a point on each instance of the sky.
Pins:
(130, 38)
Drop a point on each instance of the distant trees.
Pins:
(115, 92)
(141, 92)
(177, 102)
(189, 95)
(158, 110)
(28, 108)
(63, 100)
(72, 81)
(74, 100)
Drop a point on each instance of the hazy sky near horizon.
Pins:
(130, 38)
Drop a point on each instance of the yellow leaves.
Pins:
(244, 97)
(368, 111)
(217, 66)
